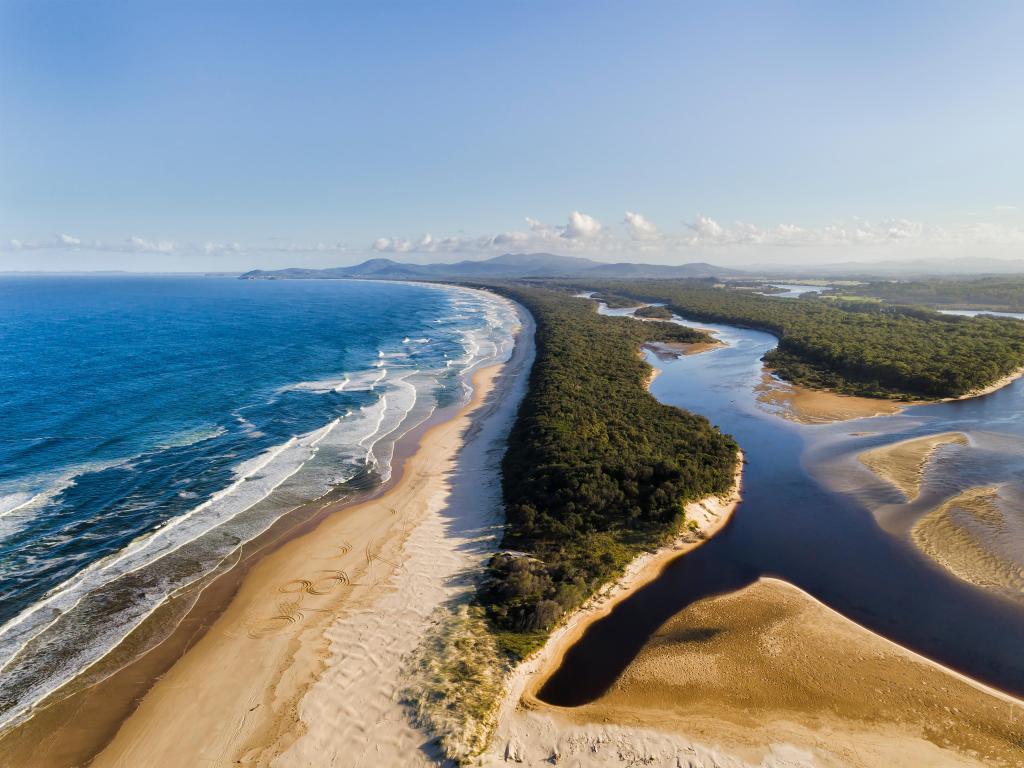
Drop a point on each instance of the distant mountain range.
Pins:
(509, 265)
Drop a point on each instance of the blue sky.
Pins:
(227, 135)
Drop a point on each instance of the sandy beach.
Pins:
(768, 676)
(902, 464)
(306, 657)
(304, 666)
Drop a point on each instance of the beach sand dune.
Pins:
(768, 676)
(902, 464)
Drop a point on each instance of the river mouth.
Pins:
(815, 516)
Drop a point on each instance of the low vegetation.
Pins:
(864, 348)
(454, 681)
(596, 469)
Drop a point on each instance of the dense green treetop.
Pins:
(655, 312)
(1004, 294)
(596, 468)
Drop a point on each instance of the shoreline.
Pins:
(363, 551)
(724, 682)
(76, 728)
(797, 403)
(977, 684)
(528, 677)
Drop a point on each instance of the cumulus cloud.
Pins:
(636, 238)
(581, 226)
(638, 227)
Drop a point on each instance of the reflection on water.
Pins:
(809, 517)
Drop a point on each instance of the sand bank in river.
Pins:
(814, 406)
(768, 676)
(817, 406)
(707, 516)
(975, 540)
(303, 665)
(669, 349)
(903, 463)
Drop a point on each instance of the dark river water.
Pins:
(813, 516)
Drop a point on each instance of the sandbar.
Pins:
(769, 676)
(815, 406)
(975, 540)
(902, 464)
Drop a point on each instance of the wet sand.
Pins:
(769, 676)
(817, 406)
(970, 536)
(670, 349)
(235, 693)
(304, 663)
(813, 406)
(903, 464)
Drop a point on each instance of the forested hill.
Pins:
(596, 468)
(863, 348)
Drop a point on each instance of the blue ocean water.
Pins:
(150, 425)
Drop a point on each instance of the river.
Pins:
(813, 516)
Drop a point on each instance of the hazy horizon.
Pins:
(197, 137)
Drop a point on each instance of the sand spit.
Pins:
(708, 516)
(304, 666)
(812, 406)
(995, 385)
(970, 536)
(903, 463)
(768, 676)
(666, 350)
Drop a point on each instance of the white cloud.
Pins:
(708, 230)
(636, 238)
(639, 227)
(391, 245)
(142, 245)
(581, 226)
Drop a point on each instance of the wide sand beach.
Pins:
(340, 603)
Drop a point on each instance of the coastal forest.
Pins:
(853, 347)
(596, 469)
(1001, 294)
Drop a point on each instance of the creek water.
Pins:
(814, 516)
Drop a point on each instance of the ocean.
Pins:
(149, 426)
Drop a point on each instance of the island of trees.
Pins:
(855, 347)
(596, 469)
(654, 312)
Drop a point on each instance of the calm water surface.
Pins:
(813, 516)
